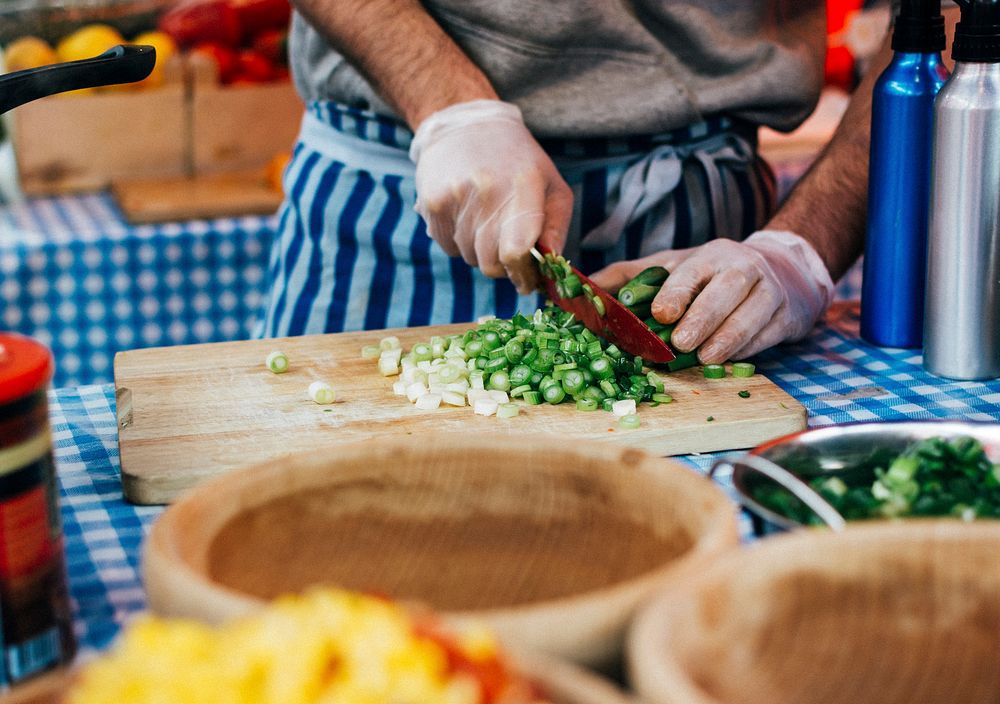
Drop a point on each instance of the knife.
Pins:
(618, 325)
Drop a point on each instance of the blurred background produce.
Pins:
(217, 61)
(245, 40)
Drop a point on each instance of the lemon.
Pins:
(87, 42)
(166, 49)
(28, 52)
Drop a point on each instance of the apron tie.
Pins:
(651, 180)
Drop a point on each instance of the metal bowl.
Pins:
(851, 452)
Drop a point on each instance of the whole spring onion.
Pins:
(277, 362)
(643, 287)
(637, 295)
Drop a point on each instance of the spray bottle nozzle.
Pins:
(919, 27)
(977, 36)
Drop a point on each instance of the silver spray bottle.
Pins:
(962, 315)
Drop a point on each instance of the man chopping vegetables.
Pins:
(620, 133)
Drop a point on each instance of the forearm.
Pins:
(402, 51)
(828, 207)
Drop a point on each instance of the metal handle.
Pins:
(119, 64)
(788, 481)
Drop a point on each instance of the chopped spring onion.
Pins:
(500, 381)
(714, 371)
(429, 402)
(449, 373)
(499, 396)
(415, 391)
(422, 352)
(452, 398)
(656, 382)
(322, 393)
(547, 357)
(629, 422)
(532, 397)
(389, 343)
(599, 306)
(623, 408)
(277, 362)
(399, 388)
(554, 393)
(485, 407)
(661, 398)
(743, 370)
(370, 352)
(744, 393)
(508, 410)
(388, 366)
(477, 380)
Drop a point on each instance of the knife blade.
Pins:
(618, 325)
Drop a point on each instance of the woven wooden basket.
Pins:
(553, 546)
(889, 613)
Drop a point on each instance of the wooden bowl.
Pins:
(881, 614)
(553, 546)
(563, 682)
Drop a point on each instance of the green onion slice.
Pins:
(277, 362)
(714, 371)
(629, 422)
(508, 410)
(743, 370)
(322, 393)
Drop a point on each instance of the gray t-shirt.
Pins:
(607, 68)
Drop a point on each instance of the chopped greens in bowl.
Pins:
(880, 471)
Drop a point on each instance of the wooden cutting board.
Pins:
(190, 412)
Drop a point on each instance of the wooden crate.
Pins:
(240, 127)
(68, 143)
(188, 128)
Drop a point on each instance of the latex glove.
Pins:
(487, 190)
(735, 299)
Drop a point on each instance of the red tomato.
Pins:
(257, 15)
(224, 58)
(272, 43)
(195, 21)
(254, 66)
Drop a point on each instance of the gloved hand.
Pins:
(487, 190)
(735, 299)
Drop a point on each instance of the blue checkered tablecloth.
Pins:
(77, 277)
(836, 376)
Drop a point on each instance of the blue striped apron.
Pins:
(351, 253)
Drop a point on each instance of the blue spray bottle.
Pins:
(899, 178)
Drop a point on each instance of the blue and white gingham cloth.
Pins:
(78, 278)
(835, 375)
